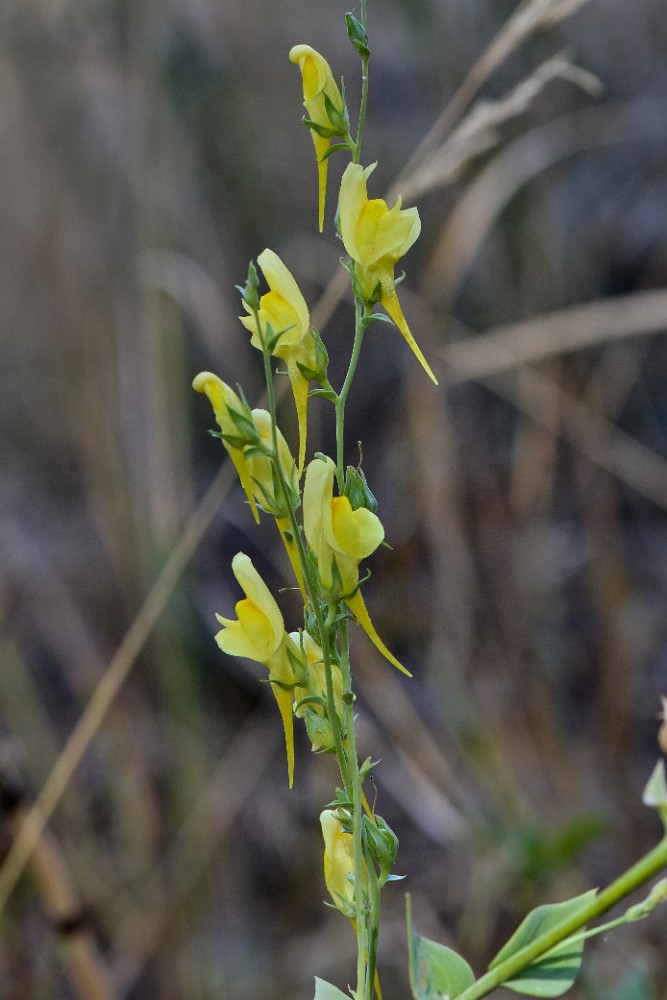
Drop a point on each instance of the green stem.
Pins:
(356, 149)
(373, 923)
(360, 315)
(640, 873)
(364, 978)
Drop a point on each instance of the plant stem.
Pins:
(356, 150)
(646, 868)
(359, 326)
(363, 976)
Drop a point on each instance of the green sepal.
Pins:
(298, 665)
(382, 844)
(319, 732)
(322, 130)
(378, 318)
(250, 291)
(245, 424)
(325, 991)
(335, 147)
(358, 491)
(554, 972)
(339, 119)
(319, 372)
(230, 439)
(272, 338)
(655, 793)
(366, 768)
(324, 393)
(436, 972)
(268, 504)
(257, 451)
(357, 35)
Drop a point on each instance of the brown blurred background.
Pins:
(148, 149)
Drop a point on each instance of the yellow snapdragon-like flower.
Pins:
(318, 81)
(340, 538)
(259, 634)
(262, 480)
(338, 862)
(284, 308)
(376, 237)
(223, 399)
(313, 712)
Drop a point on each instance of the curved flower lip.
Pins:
(283, 302)
(315, 71)
(260, 629)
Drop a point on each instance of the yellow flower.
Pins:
(340, 538)
(259, 634)
(260, 470)
(338, 862)
(284, 308)
(223, 399)
(318, 86)
(313, 712)
(375, 237)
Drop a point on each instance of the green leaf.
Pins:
(436, 972)
(325, 991)
(655, 793)
(552, 973)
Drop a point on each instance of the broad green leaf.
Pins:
(552, 973)
(325, 991)
(436, 972)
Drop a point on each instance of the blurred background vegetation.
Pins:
(148, 149)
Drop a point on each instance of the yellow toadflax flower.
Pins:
(259, 634)
(319, 87)
(338, 862)
(315, 687)
(340, 538)
(284, 308)
(224, 401)
(376, 237)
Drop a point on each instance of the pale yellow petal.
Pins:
(338, 858)
(317, 494)
(351, 201)
(281, 281)
(256, 591)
